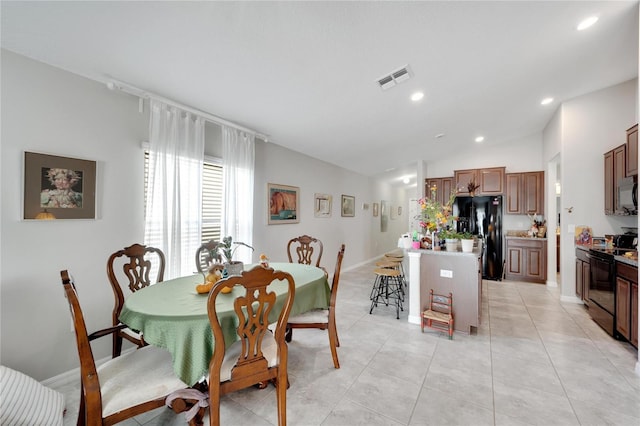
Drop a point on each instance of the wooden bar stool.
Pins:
(397, 262)
(387, 287)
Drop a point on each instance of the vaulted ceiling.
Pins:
(306, 73)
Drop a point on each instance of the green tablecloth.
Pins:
(172, 315)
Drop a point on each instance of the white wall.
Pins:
(282, 166)
(45, 109)
(589, 126)
(51, 111)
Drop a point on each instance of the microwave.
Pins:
(627, 201)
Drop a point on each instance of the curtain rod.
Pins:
(143, 94)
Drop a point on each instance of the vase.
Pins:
(467, 245)
(234, 268)
(452, 244)
(415, 244)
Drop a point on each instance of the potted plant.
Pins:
(466, 241)
(450, 236)
(233, 267)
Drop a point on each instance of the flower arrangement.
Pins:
(433, 214)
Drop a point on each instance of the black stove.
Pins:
(602, 285)
(610, 252)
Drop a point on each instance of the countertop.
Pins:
(514, 237)
(477, 252)
(632, 260)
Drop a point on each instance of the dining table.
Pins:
(173, 315)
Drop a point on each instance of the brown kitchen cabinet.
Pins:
(583, 275)
(627, 302)
(526, 259)
(615, 169)
(524, 193)
(634, 314)
(444, 186)
(609, 189)
(632, 151)
(490, 180)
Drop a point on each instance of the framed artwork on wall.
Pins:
(322, 205)
(58, 187)
(384, 216)
(348, 206)
(283, 203)
(375, 209)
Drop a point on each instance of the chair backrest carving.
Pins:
(206, 255)
(255, 307)
(137, 269)
(306, 248)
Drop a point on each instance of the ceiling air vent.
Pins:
(395, 77)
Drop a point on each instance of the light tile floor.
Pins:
(534, 360)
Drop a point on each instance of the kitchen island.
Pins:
(447, 272)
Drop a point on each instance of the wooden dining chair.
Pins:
(306, 249)
(206, 255)
(139, 264)
(259, 355)
(323, 319)
(122, 387)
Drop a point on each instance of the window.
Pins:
(211, 196)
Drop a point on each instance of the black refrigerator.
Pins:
(482, 216)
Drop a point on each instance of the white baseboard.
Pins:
(73, 376)
(571, 299)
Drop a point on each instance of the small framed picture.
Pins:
(375, 209)
(322, 205)
(283, 203)
(348, 206)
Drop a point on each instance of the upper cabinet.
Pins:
(443, 186)
(615, 169)
(609, 189)
(490, 181)
(632, 151)
(525, 193)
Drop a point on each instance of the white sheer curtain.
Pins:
(238, 155)
(174, 190)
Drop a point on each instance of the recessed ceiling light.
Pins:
(406, 180)
(587, 23)
(479, 138)
(546, 101)
(417, 96)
